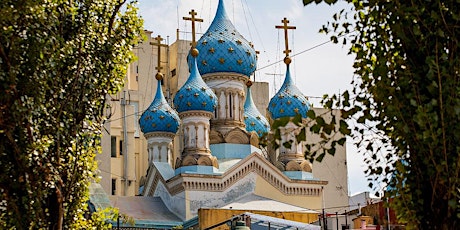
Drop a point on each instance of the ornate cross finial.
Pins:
(158, 40)
(193, 19)
(286, 28)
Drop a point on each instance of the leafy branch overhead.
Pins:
(58, 62)
(403, 111)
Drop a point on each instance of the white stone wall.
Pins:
(196, 132)
(159, 149)
(205, 199)
(176, 203)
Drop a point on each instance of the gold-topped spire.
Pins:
(193, 19)
(286, 28)
(158, 40)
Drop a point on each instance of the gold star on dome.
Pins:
(204, 62)
(189, 88)
(239, 42)
(252, 45)
(253, 124)
(258, 117)
(281, 96)
(288, 102)
(162, 117)
(168, 125)
(203, 89)
(295, 96)
(239, 61)
(281, 110)
(212, 50)
(252, 65)
(181, 96)
(209, 34)
(196, 95)
(204, 104)
(154, 125)
(230, 50)
(303, 103)
(222, 60)
(248, 52)
(154, 110)
(296, 110)
(210, 96)
(221, 41)
(189, 103)
(273, 105)
(233, 33)
(245, 117)
(204, 42)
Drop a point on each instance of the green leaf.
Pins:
(302, 136)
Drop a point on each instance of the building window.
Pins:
(173, 72)
(113, 146)
(114, 186)
(120, 144)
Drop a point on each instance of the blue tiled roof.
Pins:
(159, 116)
(253, 119)
(195, 94)
(288, 101)
(223, 49)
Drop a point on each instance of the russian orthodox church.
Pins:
(217, 128)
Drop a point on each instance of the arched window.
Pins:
(230, 104)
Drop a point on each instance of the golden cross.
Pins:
(159, 45)
(286, 27)
(193, 19)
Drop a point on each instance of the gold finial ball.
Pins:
(159, 76)
(249, 83)
(194, 52)
(287, 60)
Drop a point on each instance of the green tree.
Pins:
(58, 61)
(405, 103)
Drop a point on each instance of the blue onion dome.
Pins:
(223, 49)
(159, 116)
(253, 119)
(195, 94)
(288, 101)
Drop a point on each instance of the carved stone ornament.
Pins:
(237, 136)
(293, 166)
(216, 137)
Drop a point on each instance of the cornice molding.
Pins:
(225, 76)
(197, 113)
(159, 134)
(254, 163)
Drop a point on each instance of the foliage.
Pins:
(404, 108)
(58, 61)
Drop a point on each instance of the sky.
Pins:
(318, 68)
